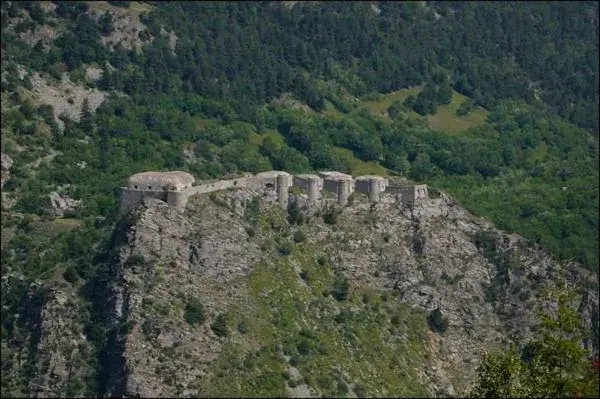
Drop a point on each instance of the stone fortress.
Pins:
(176, 187)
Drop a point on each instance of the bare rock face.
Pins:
(6, 163)
(63, 204)
(51, 343)
(430, 255)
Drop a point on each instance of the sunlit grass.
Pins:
(358, 167)
(380, 107)
(446, 119)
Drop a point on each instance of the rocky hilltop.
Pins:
(238, 297)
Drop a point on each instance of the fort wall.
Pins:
(177, 187)
(130, 198)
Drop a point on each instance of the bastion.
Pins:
(170, 187)
(371, 185)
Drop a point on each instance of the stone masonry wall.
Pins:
(269, 181)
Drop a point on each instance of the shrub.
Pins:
(70, 275)
(322, 260)
(486, 241)
(325, 381)
(242, 327)
(366, 297)
(194, 312)
(351, 198)
(342, 317)
(299, 236)
(340, 289)
(219, 325)
(322, 349)
(284, 248)
(342, 388)
(304, 347)
(436, 321)
(295, 215)
(330, 217)
(360, 391)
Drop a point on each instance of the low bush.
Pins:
(194, 312)
(436, 321)
(219, 325)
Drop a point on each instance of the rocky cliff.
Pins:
(236, 297)
(276, 283)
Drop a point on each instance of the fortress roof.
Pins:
(172, 181)
(370, 177)
(307, 176)
(335, 176)
(271, 174)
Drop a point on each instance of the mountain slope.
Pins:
(290, 324)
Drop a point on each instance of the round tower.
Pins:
(374, 190)
(282, 190)
(343, 192)
(313, 189)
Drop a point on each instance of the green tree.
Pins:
(553, 364)
(422, 168)
(394, 109)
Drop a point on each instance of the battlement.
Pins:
(176, 187)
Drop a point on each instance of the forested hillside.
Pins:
(205, 72)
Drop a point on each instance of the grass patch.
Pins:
(331, 110)
(67, 223)
(446, 120)
(140, 7)
(380, 107)
(358, 167)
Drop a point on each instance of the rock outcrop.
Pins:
(433, 255)
(332, 303)
(63, 204)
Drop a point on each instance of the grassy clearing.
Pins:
(135, 7)
(380, 107)
(446, 120)
(140, 7)
(67, 223)
(358, 167)
(331, 110)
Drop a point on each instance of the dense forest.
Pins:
(207, 103)
(526, 168)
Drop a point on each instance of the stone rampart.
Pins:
(218, 185)
(177, 187)
(130, 198)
